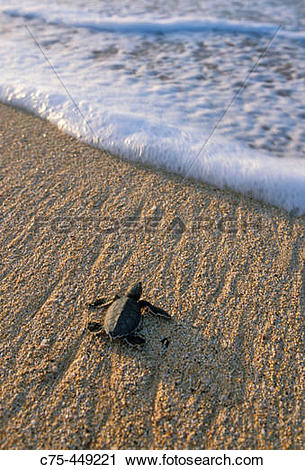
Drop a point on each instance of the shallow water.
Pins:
(199, 88)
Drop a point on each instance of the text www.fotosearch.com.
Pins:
(220, 460)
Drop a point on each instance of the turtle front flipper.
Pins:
(95, 327)
(134, 340)
(102, 303)
(155, 310)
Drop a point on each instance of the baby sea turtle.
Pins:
(123, 316)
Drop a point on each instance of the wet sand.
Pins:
(226, 373)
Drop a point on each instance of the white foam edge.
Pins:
(223, 162)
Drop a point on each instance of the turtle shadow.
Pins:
(194, 376)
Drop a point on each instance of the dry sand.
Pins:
(77, 223)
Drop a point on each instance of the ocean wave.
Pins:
(222, 162)
(133, 122)
(92, 21)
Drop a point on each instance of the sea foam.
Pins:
(116, 120)
(222, 162)
(90, 20)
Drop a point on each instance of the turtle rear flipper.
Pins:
(134, 340)
(155, 310)
(95, 327)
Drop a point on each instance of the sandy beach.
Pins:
(76, 223)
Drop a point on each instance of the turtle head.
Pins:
(135, 291)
